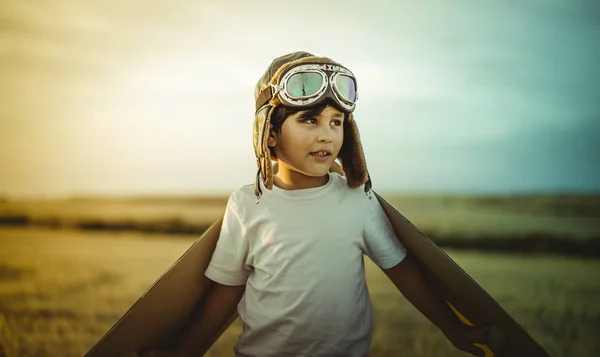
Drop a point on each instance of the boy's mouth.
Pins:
(321, 153)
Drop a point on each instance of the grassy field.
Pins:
(69, 269)
(60, 291)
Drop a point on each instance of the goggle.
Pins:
(308, 84)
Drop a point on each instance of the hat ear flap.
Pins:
(262, 129)
(351, 155)
(267, 164)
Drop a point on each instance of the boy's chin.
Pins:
(318, 171)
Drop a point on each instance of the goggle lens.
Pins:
(304, 84)
(347, 87)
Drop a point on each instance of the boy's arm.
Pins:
(411, 282)
(407, 277)
(216, 311)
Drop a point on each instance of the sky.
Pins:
(111, 97)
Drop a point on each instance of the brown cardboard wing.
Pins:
(471, 303)
(158, 316)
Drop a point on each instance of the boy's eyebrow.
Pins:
(305, 114)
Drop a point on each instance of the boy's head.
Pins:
(306, 103)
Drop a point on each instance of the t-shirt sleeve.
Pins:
(228, 262)
(380, 241)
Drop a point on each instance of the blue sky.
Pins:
(111, 97)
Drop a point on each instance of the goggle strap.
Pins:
(257, 189)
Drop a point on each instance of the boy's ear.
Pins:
(272, 140)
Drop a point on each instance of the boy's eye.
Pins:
(336, 122)
(311, 121)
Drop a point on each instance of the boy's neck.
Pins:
(292, 180)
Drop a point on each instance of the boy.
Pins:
(290, 252)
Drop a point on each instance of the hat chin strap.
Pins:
(334, 168)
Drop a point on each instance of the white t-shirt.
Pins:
(300, 254)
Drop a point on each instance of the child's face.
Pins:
(309, 145)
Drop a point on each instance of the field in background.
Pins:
(60, 291)
(70, 268)
(566, 224)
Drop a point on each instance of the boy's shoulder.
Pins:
(243, 196)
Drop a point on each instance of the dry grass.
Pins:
(60, 291)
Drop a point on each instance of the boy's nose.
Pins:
(325, 135)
